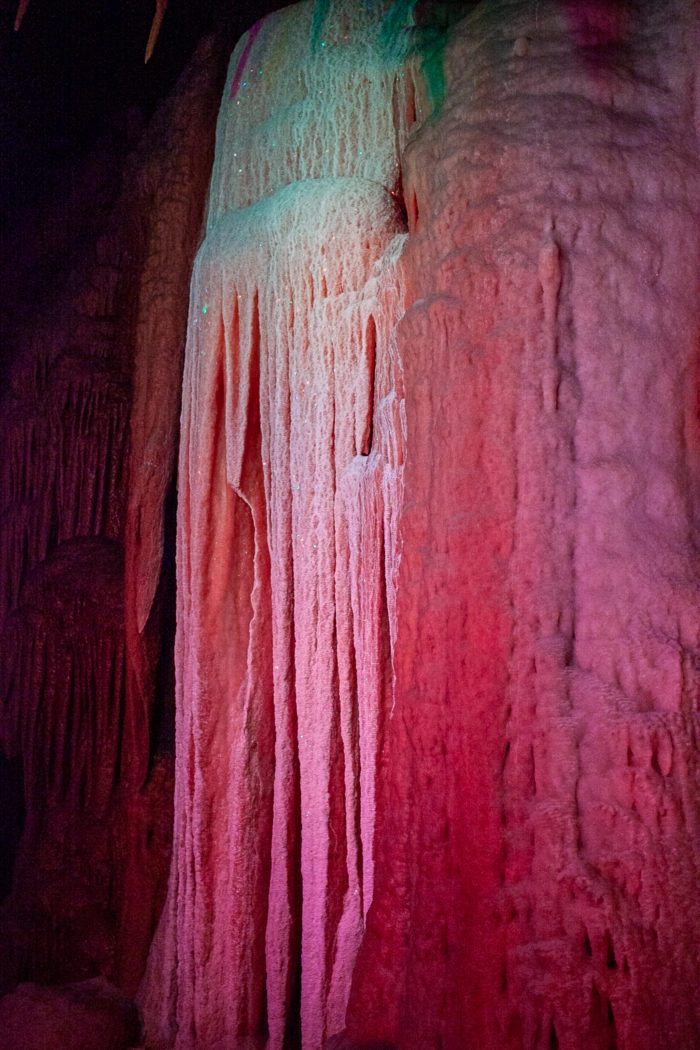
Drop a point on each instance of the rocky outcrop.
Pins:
(75, 1017)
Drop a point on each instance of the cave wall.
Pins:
(538, 836)
(436, 778)
(89, 435)
(510, 556)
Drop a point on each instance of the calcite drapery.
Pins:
(287, 549)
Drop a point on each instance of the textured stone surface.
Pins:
(437, 654)
(531, 874)
(89, 430)
(288, 498)
(74, 1017)
(538, 828)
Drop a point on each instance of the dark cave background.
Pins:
(78, 107)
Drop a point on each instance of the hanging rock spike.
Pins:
(21, 11)
(161, 6)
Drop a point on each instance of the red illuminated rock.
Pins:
(437, 779)
(436, 628)
(75, 1017)
(538, 824)
(89, 429)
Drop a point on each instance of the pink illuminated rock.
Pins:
(538, 826)
(437, 615)
(289, 495)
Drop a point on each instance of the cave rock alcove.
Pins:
(373, 722)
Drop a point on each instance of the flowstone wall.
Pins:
(538, 846)
(436, 662)
(437, 614)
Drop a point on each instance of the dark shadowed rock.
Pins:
(342, 1041)
(91, 1015)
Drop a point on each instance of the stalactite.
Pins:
(158, 15)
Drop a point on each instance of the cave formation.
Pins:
(349, 488)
